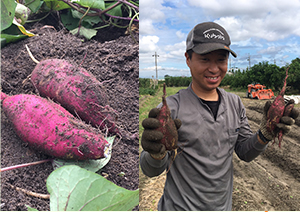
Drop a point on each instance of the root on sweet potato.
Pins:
(276, 111)
(167, 127)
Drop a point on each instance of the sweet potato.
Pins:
(276, 109)
(48, 127)
(75, 89)
(287, 112)
(167, 127)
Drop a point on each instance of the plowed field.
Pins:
(268, 183)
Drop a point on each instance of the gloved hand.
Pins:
(151, 137)
(285, 122)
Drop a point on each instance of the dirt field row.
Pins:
(270, 182)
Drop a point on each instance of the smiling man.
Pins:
(211, 124)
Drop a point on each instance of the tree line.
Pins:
(270, 75)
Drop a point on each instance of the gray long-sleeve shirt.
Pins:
(201, 176)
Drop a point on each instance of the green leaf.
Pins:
(72, 188)
(11, 38)
(34, 5)
(7, 13)
(96, 4)
(56, 5)
(90, 165)
(87, 33)
(14, 33)
(69, 21)
(30, 208)
(121, 174)
(116, 11)
(92, 20)
(3, 42)
(22, 29)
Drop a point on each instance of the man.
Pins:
(211, 124)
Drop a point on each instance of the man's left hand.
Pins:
(284, 125)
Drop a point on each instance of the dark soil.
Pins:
(112, 56)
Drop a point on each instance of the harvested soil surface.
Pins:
(271, 182)
(112, 56)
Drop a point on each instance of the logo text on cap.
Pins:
(214, 33)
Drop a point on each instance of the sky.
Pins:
(260, 31)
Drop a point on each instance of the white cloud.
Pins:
(285, 56)
(151, 9)
(266, 30)
(180, 34)
(271, 50)
(269, 19)
(151, 12)
(146, 27)
(148, 44)
(150, 68)
(243, 43)
(177, 50)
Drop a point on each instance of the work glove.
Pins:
(151, 137)
(285, 123)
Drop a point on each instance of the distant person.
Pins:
(211, 124)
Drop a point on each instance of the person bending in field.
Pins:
(213, 126)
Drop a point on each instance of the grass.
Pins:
(148, 102)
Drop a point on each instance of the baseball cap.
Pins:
(207, 37)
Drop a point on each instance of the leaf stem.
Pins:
(109, 8)
(99, 12)
(25, 165)
(31, 21)
(128, 3)
(79, 24)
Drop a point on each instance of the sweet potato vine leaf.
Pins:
(72, 188)
(90, 165)
(88, 33)
(7, 13)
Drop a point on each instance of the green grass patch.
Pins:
(147, 102)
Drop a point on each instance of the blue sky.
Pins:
(264, 30)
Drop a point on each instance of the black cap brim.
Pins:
(205, 48)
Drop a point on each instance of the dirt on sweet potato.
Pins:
(167, 127)
(276, 110)
(48, 127)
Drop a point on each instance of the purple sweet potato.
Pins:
(75, 89)
(167, 127)
(276, 109)
(48, 127)
(287, 112)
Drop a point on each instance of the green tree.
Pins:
(294, 74)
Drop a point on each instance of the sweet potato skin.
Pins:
(75, 89)
(276, 110)
(167, 125)
(287, 112)
(48, 127)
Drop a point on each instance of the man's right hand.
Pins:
(151, 137)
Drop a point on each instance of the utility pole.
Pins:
(156, 56)
(249, 62)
